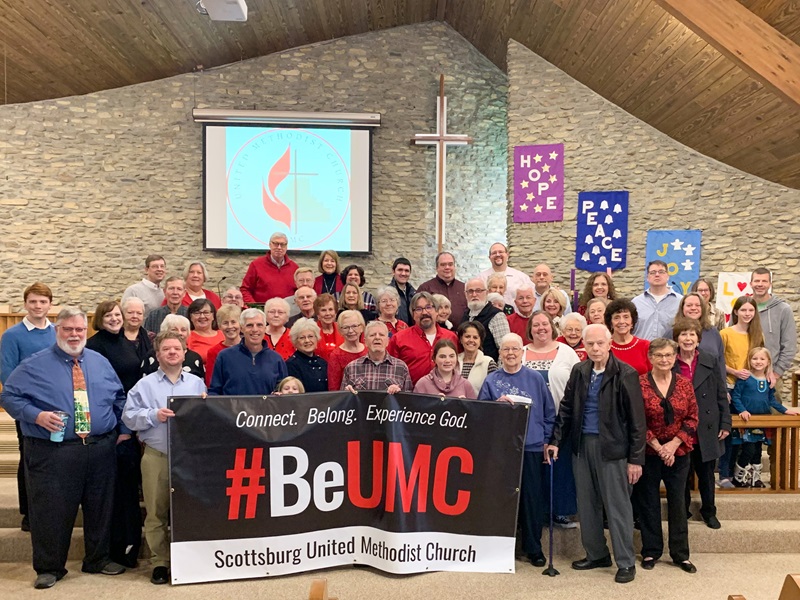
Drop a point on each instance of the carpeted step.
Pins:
(764, 537)
(15, 545)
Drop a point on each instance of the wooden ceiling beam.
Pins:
(751, 43)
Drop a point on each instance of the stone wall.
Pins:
(746, 221)
(94, 183)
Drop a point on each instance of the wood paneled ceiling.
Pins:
(631, 52)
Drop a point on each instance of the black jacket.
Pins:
(623, 429)
(713, 411)
(488, 312)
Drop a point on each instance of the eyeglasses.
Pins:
(476, 291)
(659, 356)
(428, 308)
(276, 311)
(279, 244)
(510, 350)
(658, 272)
(70, 330)
(203, 313)
(232, 297)
(387, 301)
(349, 327)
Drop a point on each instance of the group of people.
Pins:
(628, 393)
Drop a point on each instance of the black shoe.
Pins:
(160, 576)
(585, 564)
(649, 563)
(625, 575)
(112, 568)
(45, 581)
(713, 522)
(537, 560)
(686, 566)
(26, 526)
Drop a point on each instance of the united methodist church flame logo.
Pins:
(290, 180)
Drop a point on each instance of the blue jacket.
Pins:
(238, 373)
(748, 397)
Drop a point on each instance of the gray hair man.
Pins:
(543, 281)
(493, 319)
(378, 370)
(249, 368)
(55, 383)
(174, 289)
(602, 416)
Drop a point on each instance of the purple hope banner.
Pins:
(539, 183)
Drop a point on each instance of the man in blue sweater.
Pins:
(80, 469)
(34, 333)
(249, 368)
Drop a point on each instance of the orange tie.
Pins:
(83, 418)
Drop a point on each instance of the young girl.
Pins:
(753, 396)
(290, 385)
(743, 335)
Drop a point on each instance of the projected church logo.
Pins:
(290, 180)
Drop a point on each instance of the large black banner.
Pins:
(273, 485)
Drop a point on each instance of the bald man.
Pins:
(543, 281)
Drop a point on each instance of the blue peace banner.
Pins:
(680, 249)
(602, 234)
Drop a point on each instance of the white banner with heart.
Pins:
(729, 287)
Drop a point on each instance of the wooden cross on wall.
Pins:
(441, 139)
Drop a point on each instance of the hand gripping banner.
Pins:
(406, 483)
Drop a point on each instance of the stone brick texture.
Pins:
(92, 184)
(746, 221)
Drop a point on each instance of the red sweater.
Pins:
(634, 353)
(264, 280)
(337, 361)
(210, 358)
(210, 296)
(328, 342)
(518, 324)
(412, 347)
(284, 347)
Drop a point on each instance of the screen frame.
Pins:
(259, 252)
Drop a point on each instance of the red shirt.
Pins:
(399, 326)
(210, 296)
(579, 349)
(337, 361)
(337, 284)
(413, 348)
(518, 324)
(210, 358)
(633, 353)
(284, 347)
(684, 406)
(265, 280)
(202, 344)
(328, 342)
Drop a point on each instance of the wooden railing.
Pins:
(784, 452)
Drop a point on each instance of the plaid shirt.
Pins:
(364, 374)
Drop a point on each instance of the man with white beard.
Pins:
(81, 466)
(493, 319)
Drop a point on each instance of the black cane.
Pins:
(551, 570)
